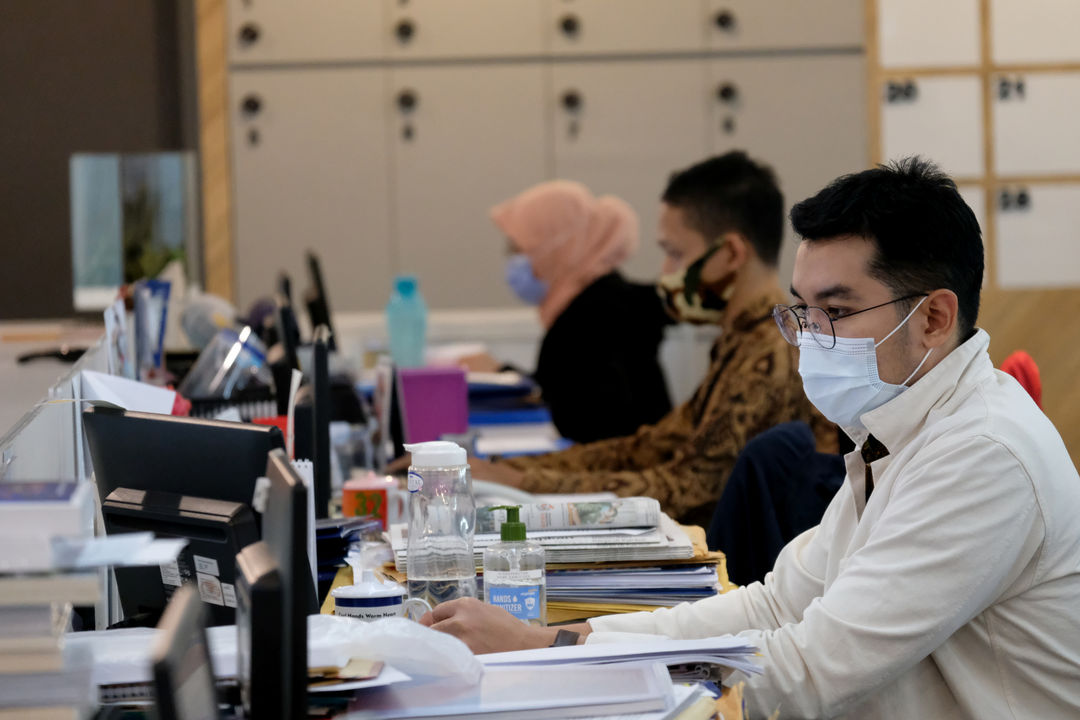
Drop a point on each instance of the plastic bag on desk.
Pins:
(408, 646)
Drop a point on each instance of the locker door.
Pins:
(1038, 236)
(464, 139)
(783, 24)
(805, 117)
(929, 33)
(286, 31)
(939, 118)
(310, 168)
(1034, 31)
(608, 26)
(463, 28)
(622, 128)
(1035, 118)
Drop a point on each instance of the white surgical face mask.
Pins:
(843, 382)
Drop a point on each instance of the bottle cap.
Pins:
(436, 454)
(405, 285)
(512, 528)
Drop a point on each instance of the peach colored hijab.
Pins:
(571, 237)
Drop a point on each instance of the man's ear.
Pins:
(941, 310)
(734, 251)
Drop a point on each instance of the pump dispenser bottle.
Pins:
(514, 572)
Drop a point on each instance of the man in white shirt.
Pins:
(944, 578)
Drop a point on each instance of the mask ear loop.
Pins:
(924, 358)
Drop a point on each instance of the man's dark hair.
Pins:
(925, 235)
(731, 192)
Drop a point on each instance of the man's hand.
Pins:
(486, 628)
(495, 472)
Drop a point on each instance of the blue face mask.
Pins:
(520, 278)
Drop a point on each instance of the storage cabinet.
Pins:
(1034, 31)
(380, 132)
(286, 31)
(1038, 235)
(584, 27)
(794, 114)
(939, 118)
(426, 29)
(467, 139)
(623, 127)
(1035, 123)
(307, 178)
(929, 33)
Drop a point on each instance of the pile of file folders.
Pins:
(665, 585)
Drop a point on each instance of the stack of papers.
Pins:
(665, 586)
(727, 651)
(666, 542)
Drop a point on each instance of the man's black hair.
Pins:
(925, 236)
(731, 192)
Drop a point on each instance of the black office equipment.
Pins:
(183, 672)
(288, 331)
(285, 286)
(321, 420)
(187, 456)
(216, 530)
(318, 305)
(262, 668)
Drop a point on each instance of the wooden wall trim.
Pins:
(216, 175)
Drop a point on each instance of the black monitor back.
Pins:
(263, 670)
(285, 533)
(184, 686)
(187, 456)
(318, 304)
(216, 530)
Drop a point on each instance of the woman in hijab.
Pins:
(597, 369)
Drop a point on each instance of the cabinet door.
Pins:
(939, 118)
(804, 117)
(622, 128)
(464, 139)
(1038, 236)
(785, 24)
(310, 167)
(605, 26)
(929, 33)
(1034, 31)
(1035, 121)
(463, 28)
(286, 31)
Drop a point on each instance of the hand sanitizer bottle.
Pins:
(514, 572)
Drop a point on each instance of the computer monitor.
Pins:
(183, 673)
(321, 419)
(187, 456)
(318, 305)
(216, 530)
(286, 532)
(263, 667)
(288, 332)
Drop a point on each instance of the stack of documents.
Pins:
(664, 585)
(665, 542)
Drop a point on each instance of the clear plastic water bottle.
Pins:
(406, 322)
(442, 519)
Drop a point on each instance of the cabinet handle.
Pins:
(248, 34)
(725, 20)
(251, 105)
(570, 26)
(407, 100)
(727, 93)
(572, 101)
(405, 31)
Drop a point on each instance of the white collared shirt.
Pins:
(954, 593)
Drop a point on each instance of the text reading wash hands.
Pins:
(944, 578)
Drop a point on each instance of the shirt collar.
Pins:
(898, 420)
(758, 309)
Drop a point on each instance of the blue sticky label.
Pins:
(521, 601)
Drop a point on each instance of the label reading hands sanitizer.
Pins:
(516, 591)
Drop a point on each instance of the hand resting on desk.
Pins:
(486, 628)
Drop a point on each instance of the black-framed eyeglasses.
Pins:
(793, 320)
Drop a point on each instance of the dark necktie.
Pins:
(872, 450)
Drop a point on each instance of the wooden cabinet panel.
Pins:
(286, 31)
(939, 118)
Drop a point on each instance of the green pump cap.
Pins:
(513, 529)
